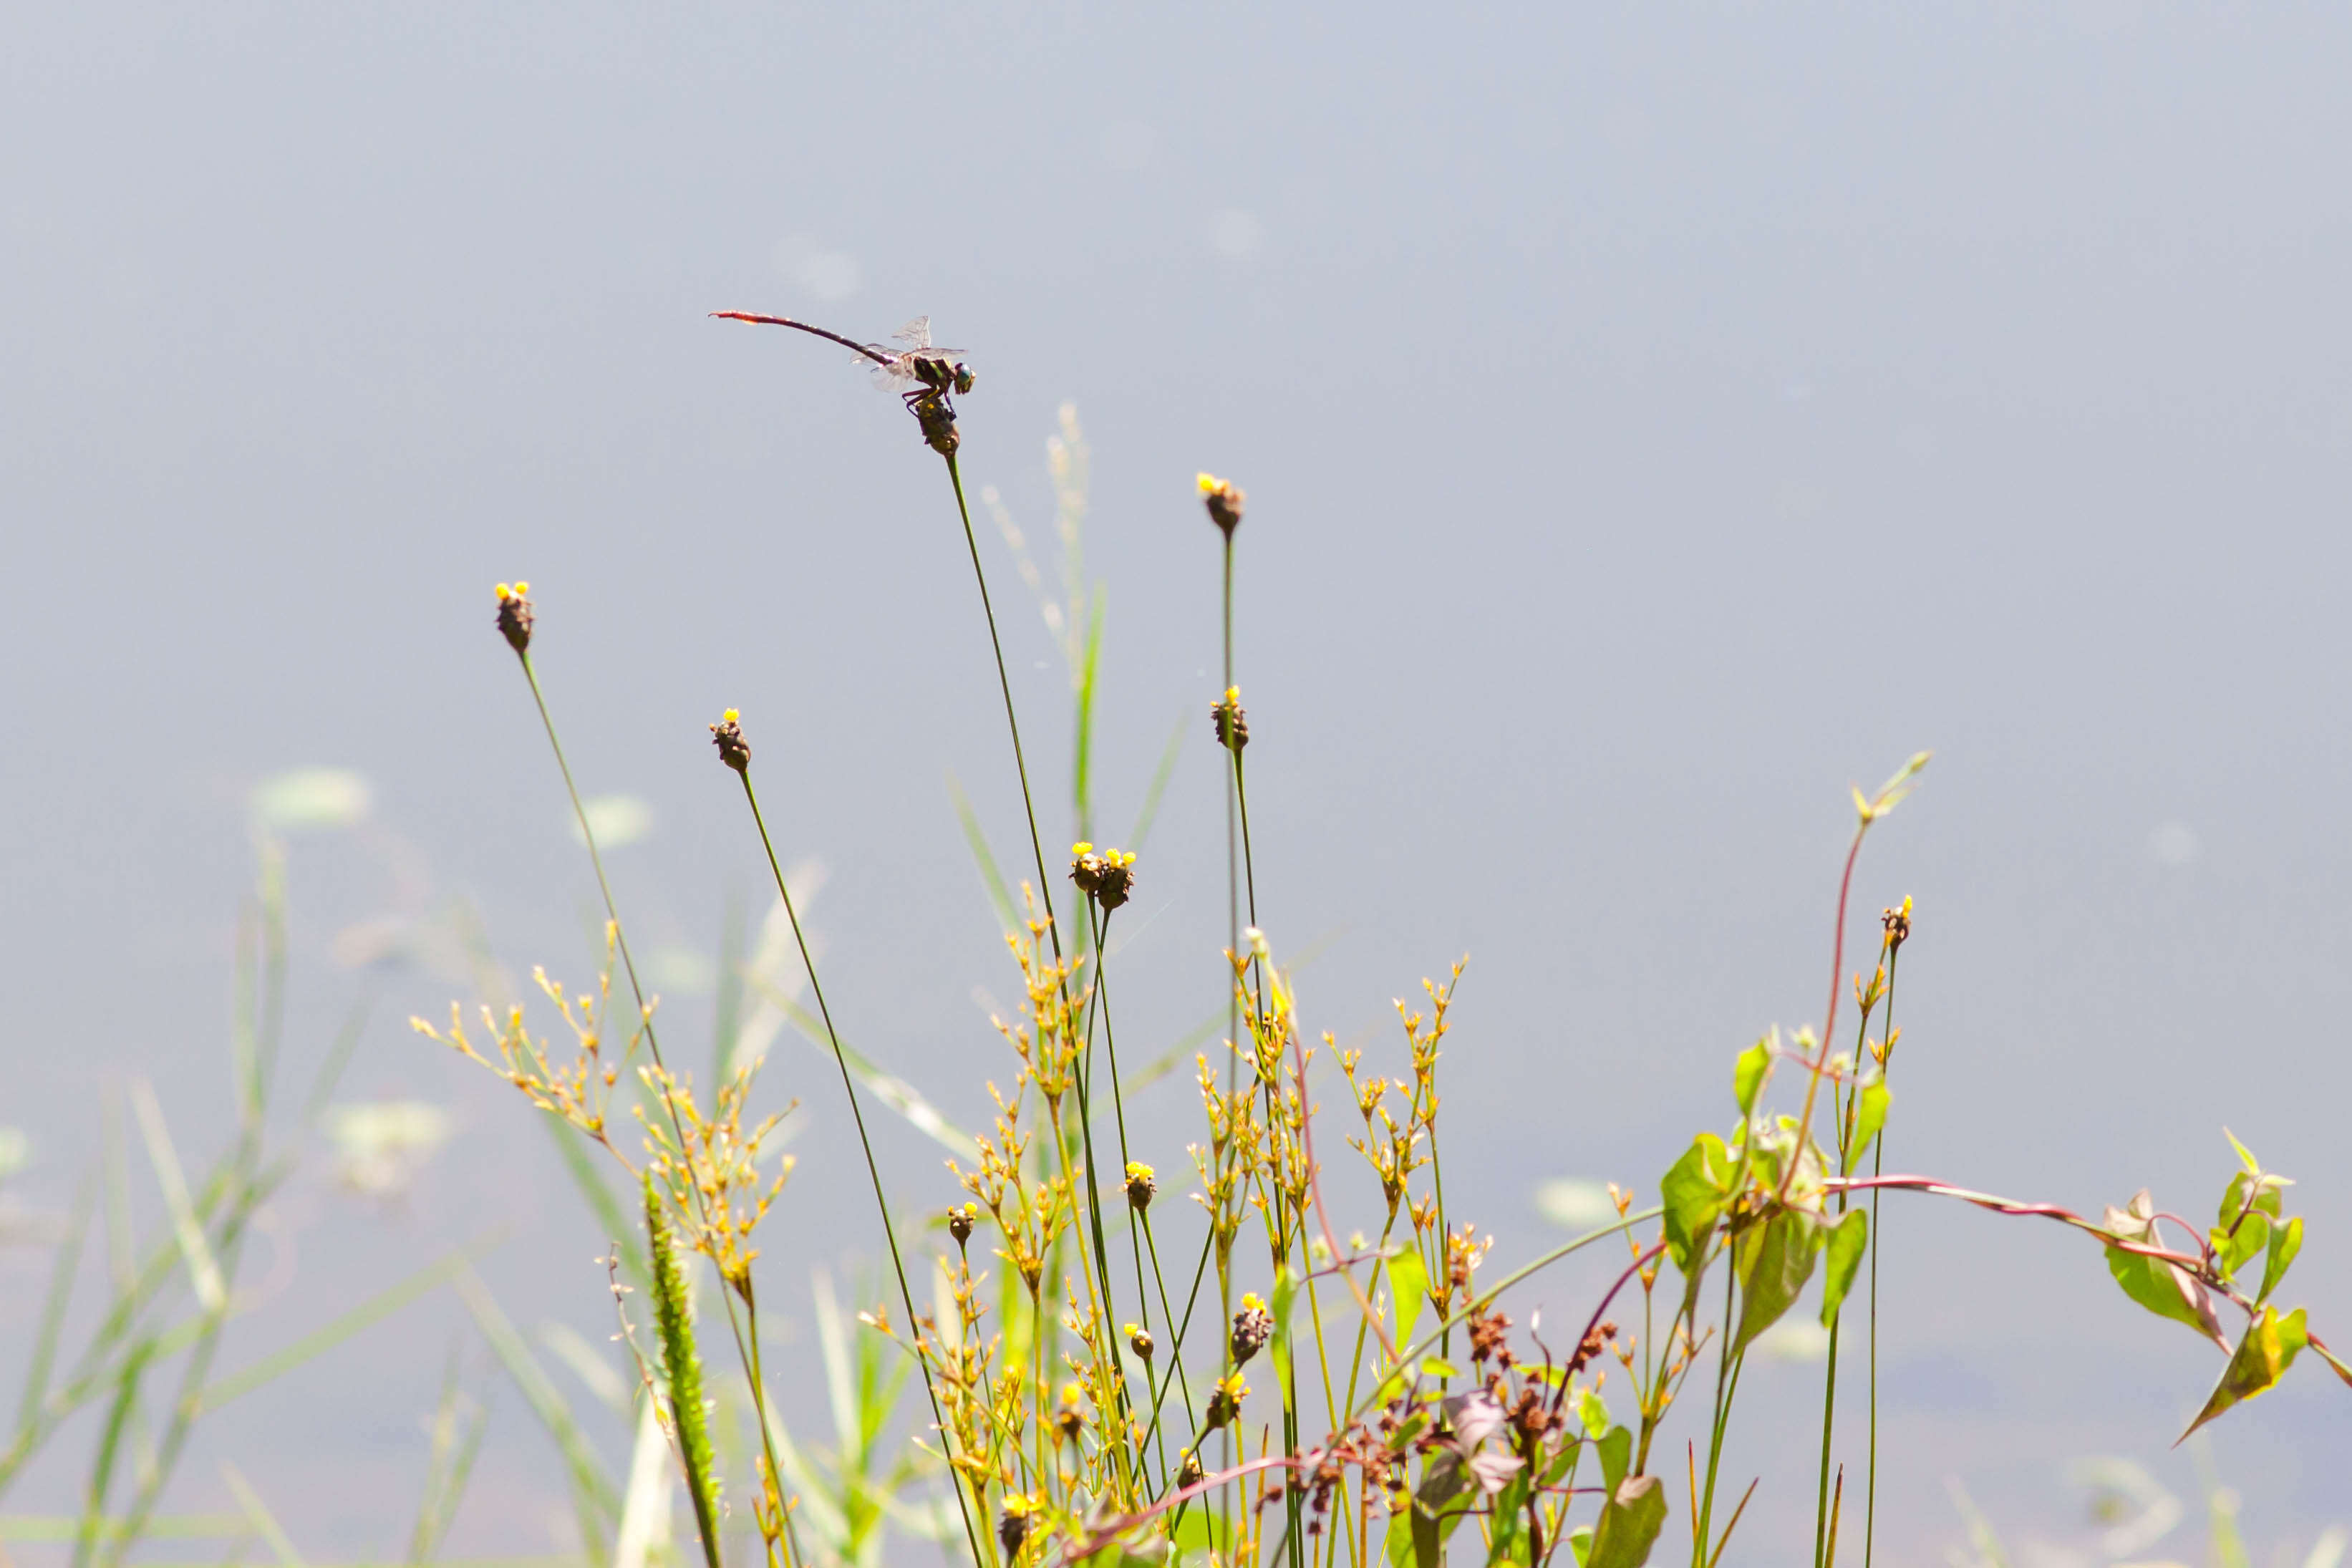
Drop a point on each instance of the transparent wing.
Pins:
(915, 334)
(897, 375)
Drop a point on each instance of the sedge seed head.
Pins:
(1225, 500)
(728, 736)
(514, 614)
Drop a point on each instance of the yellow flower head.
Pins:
(732, 715)
(1138, 1171)
(1250, 1303)
(1210, 484)
(1082, 847)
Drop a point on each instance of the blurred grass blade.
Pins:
(991, 877)
(339, 1056)
(727, 1025)
(622, 1231)
(1160, 777)
(109, 1448)
(371, 1311)
(833, 1345)
(258, 1515)
(1083, 744)
(421, 1536)
(644, 1508)
(595, 1504)
(895, 1093)
(53, 1308)
(121, 1242)
(571, 1347)
(204, 1270)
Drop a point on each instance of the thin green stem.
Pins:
(645, 1022)
(1877, 1239)
(873, 1170)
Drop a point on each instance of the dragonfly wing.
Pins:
(915, 334)
(893, 376)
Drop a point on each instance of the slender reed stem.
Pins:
(645, 1022)
(873, 1171)
(1877, 1239)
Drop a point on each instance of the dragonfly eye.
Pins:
(963, 376)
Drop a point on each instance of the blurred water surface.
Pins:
(1654, 418)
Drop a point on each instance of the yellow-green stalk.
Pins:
(674, 1323)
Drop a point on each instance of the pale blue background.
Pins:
(1654, 418)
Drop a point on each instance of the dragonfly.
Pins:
(916, 371)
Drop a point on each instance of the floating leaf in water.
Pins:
(1576, 1204)
(310, 798)
(614, 819)
(380, 1146)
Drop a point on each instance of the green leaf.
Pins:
(2286, 1240)
(1408, 1283)
(1199, 1528)
(1869, 1118)
(1286, 1288)
(2238, 1246)
(1433, 1366)
(1750, 1073)
(1848, 1240)
(1694, 1190)
(1629, 1526)
(1774, 1261)
(1616, 1452)
(1579, 1541)
(2250, 1190)
(2163, 1289)
(1508, 1545)
(1592, 1412)
(2262, 1357)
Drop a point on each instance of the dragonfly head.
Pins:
(963, 376)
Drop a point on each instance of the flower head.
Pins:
(514, 614)
(1142, 1184)
(1224, 500)
(728, 736)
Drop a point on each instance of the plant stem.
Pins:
(873, 1170)
(646, 1021)
(1877, 1239)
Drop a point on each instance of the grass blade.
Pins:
(53, 1308)
(109, 1448)
(595, 1504)
(257, 1514)
(204, 1269)
(339, 1056)
(990, 878)
(895, 1093)
(1160, 777)
(367, 1313)
(573, 1146)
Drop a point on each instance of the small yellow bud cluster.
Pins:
(1142, 1184)
(1224, 500)
(1105, 876)
(1139, 1339)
